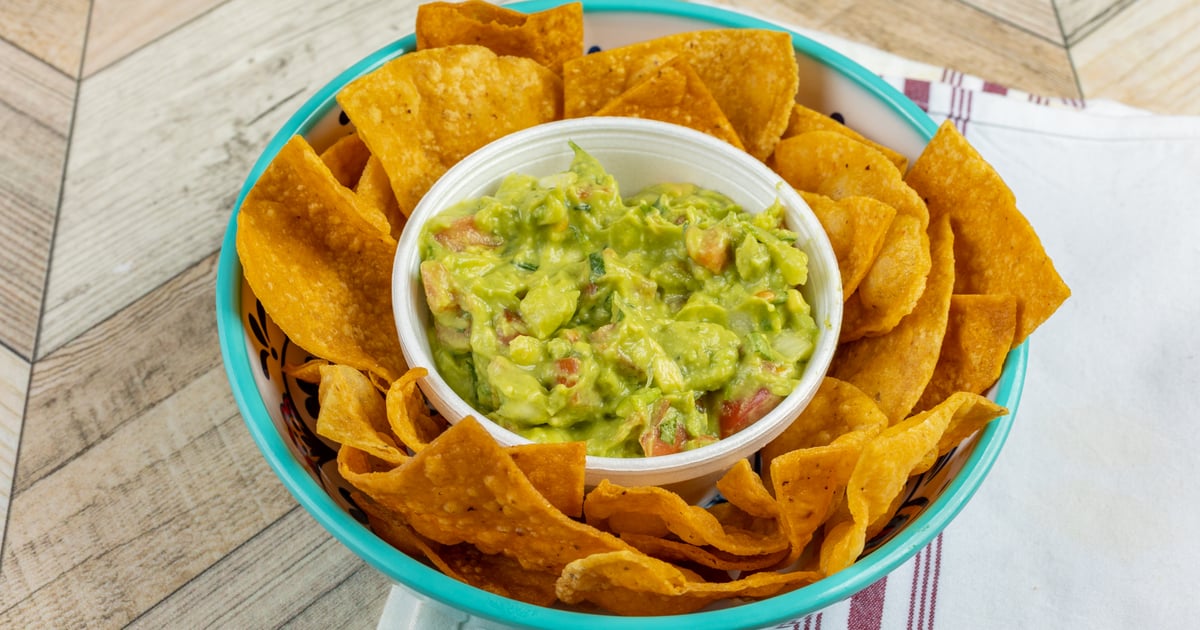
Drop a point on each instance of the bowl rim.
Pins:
(553, 137)
(432, 583)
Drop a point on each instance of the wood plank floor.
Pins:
(130, 491)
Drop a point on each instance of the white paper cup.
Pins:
(638, 153)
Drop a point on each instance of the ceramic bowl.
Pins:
(280, 412)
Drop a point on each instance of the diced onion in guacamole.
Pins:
(643, 326)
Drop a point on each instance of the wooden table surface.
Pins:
(133, 493)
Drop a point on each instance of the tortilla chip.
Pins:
(857, 228)
(692, 524)
(995, 248)
(885, 466)
(674, 93)
(803, 120)
(894, 369)
(369, 474)
(892, 286)
(353, 414)
(836, 409)
(751, 73)
(495, 573)
(629, 583)
(742, 487)
(321, 271)
(408, 414)
(809, 483)
(979, 333)
(681, 552)
(464, 488)
(548, 37)
(309, 371)
(424, 111)
(376, 202)
(837, 166)
(346, 158)
(556, 470)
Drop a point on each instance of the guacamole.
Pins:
(643, 326)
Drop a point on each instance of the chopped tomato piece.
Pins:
(709, 248)
(567, 371)
(739, 414)
(464, 233)
(652, 438)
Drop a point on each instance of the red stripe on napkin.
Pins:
(866, 607)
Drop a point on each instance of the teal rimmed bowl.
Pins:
(280, 411)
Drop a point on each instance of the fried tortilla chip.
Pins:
(857, 227)
(681, 552)
(894, 369)
(346, 158)
(892, 286)
(495, 573)
(979, 333)
(837, 166)
(884, 467)
(309, 371)
(548, 37)
(809, 483)
(836, 409)
(804, 120)
(353, 414)
(556, 470)
(674, 93)
(629, 583)
(321, 271)
(751, 73)
(376, 201)
(408, 414)
(692, 524)
(424, 111)
(741, 486)
(996, 250)
(463, 488)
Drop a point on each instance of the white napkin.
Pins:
(1088, 517)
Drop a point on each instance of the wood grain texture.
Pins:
(32, 87)
(1011, 44)
(52, 30)
(1034, 16)
(14, 379)
(160, 150)
(1081, 17)
(119, 27)
(952, 34)
(35, 111)
(1148, 55)
(87, 389)
(293, 573)
(130, 520)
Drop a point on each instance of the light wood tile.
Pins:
(53, 30)
(130, 520)
(1036, 16)
(1080, 17)
(952, 34)
(160, 150)
(119, 27)
(35, 89)
(92, 386)
(14, 379)
(293, 573)
(35, 117)
(1147, 56)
